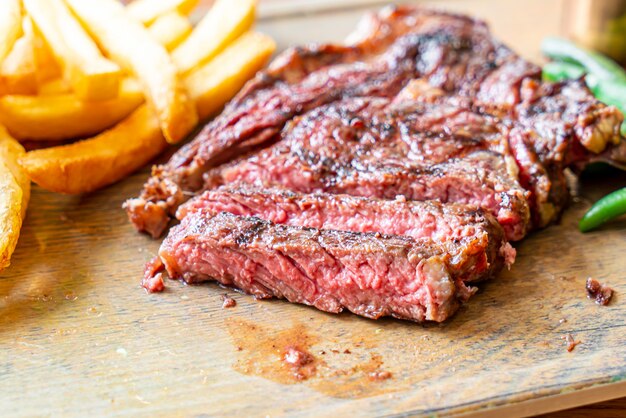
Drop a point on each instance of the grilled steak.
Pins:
(383, 176)
(369, 274)
(364, 148)
(466, 226)
(552, 126)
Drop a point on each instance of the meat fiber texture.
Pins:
(372, 275)
(409, 259)
(477, 237)
(384, 176)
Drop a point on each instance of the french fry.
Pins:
(54, 87)
(88, 165)
(222, 24)
(17, 71)
(147, 11)
(14, 196)
(92, 76)
(170, 29)
(52, 84)
(130, 44)
(227, 73)
(10, 152)
(10, 217)
(10, 25)
(46, 66)
(65, 116)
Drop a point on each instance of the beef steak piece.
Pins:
(379, 148)
(372, 275)
(465, 226)
(383, 176)
(556, 125)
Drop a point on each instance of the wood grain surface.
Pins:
(78, 336)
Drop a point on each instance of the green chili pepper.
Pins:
(559, 71)
(609, 207)
(597, 64)
(612, 93)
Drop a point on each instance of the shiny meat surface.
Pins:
(381, 176)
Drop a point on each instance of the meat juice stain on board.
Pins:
(295, 356)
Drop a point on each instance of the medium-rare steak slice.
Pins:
(372, 275)
(378, 148)
(467, 226)
(479, 179)
(451, 52)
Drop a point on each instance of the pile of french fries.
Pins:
(121, 82)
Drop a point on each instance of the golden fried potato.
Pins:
(46, 66)
(18, 70)
(58, 114)
(92, 76)
(88, 165)
(65, 116)
(10, 25)
(14, 196)
(54, 87)
(222, 24)
(10, 152)
(170, 29)
(10, 217)
(128, 43)
(106, 158)
(147, 11)
(228, 72)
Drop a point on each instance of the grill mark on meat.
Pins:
(246, 236)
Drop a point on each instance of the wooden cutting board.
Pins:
(79, 337)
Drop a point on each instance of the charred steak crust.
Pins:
(372, 275)
(556, 125)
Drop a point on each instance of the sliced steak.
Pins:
(372, 176)
(378, 148)
(256, 116)
(372, 275)
(465, 226)
(451, 52)
(480, 179)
